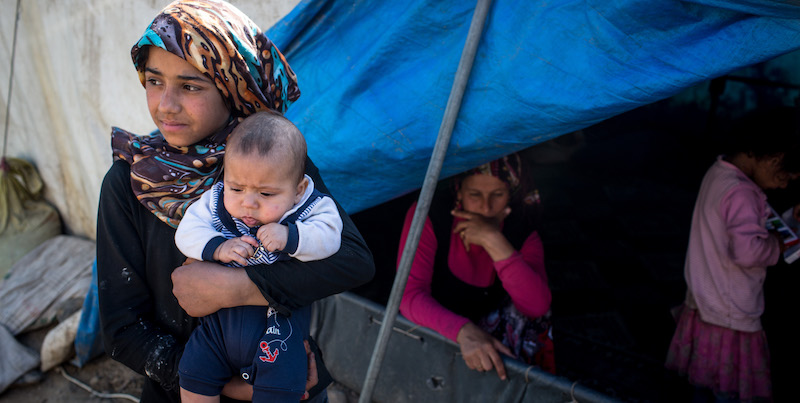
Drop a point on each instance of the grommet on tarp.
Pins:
(527, 371)
(572, 392)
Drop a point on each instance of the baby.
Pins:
(265, 209)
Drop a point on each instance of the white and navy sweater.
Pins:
(315, 228)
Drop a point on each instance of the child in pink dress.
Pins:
(719, 342)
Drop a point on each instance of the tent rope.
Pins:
(94, 392)
(10, 80)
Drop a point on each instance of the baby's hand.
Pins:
(273, 236)
(236, 250)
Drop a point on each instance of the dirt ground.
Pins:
(107, 376)
(103, 375)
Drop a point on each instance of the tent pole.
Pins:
(426, 195)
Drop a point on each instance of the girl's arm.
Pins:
(751, 244)
(127, 308)
(417, 304)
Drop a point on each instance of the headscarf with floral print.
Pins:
(250, 73)
(509, 170)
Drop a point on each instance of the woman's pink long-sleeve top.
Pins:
(522, 274)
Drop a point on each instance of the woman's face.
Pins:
(184, 104)
(483, 194)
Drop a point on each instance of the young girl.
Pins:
(204, 66)
(719, 343)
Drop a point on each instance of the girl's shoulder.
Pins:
(724, 178)
(117, 184)
(118, 175)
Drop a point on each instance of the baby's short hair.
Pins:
(267, 133)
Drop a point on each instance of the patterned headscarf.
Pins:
(510, 171)
(250, 73)
(507, 169)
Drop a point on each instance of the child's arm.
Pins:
(319, 236)
(751, 245)
(316, 237)
(196, 237)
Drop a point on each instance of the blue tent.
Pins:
(375, 75)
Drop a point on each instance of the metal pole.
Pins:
(424, 202)
(10, 82)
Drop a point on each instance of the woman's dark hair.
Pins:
(768, 132)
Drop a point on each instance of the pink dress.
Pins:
(719, 343)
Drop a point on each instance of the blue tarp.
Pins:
(375, 75)
(88, 340)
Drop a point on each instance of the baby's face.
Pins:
(259, 190)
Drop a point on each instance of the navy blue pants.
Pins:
(264, 348)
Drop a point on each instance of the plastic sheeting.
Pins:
(46, 284)
(88, 342)
(375, 75)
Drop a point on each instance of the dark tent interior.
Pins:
(617, 204)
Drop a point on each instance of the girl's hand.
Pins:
(238, 389)
(236, 250)
(313, 376)
(481, 351)
(476, 229)
(777, 236)
(273, 236)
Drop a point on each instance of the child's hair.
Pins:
(768, 132)
(267, 133)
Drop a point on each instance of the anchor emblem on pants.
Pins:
(271, 355)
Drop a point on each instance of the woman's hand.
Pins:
(480, 350)
(203, 288)
(476, 229)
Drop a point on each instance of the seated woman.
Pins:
(478, 277)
